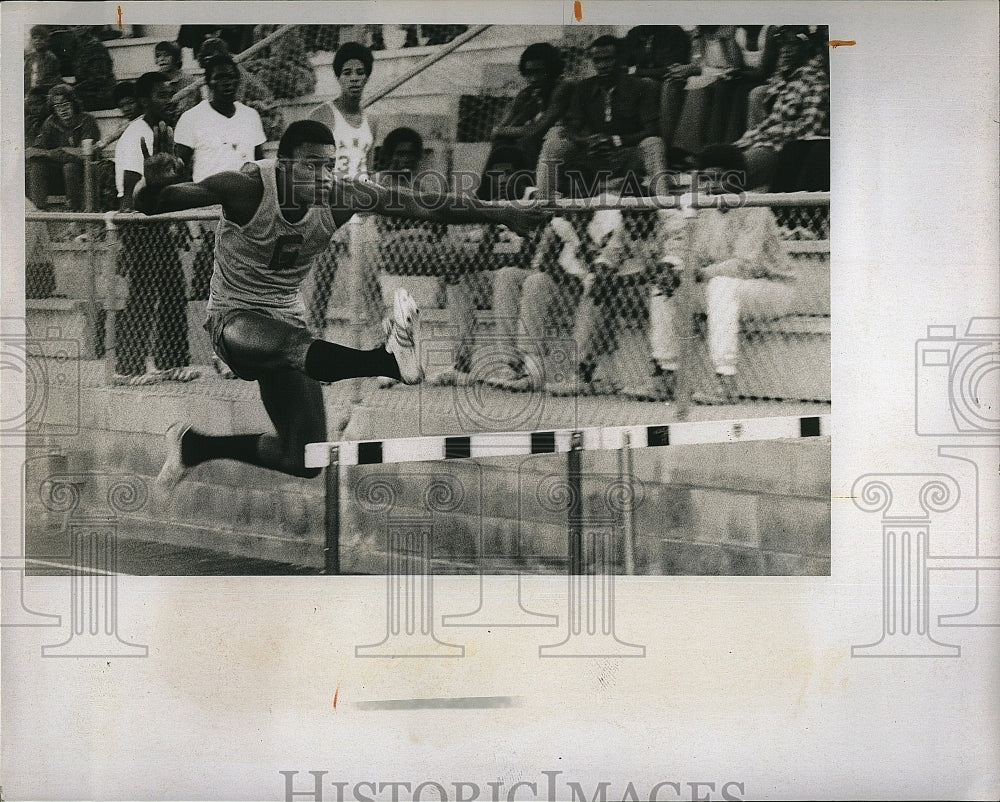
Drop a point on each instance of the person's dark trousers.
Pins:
(204, 261)
(157, 300)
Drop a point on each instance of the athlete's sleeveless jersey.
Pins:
(261, 266)
(354, 145)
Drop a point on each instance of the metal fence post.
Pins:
(684, 320)
(331, 547)
(87, 150)
(626, 478)
(575, 511)
(112, 303)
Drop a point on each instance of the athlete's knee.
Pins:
(294, 465)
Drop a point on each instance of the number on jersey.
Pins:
(286, 252)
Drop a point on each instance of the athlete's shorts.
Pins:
(253, 344)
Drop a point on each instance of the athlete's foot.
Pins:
(401, 330)
(173, 469)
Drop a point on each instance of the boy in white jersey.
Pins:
(276, 216)
(354, 135)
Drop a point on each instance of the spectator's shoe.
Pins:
(449, 377)
(222, 368)
(400, 329)
(136, 379)
(173, 469)
(659, 387)
(180, 374)
(724, 393)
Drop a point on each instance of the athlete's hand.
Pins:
(162, 167)
(525, 221)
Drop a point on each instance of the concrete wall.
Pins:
(742, 508)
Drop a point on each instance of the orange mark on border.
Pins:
(577, 10)
(336, 693)
(120, 26)
(842, 43)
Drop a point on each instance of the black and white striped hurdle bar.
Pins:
(334, 455)
(557, 441)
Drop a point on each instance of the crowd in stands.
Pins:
(747, 101)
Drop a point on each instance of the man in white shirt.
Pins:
(220, 133)
(217, 135)
(157, 299)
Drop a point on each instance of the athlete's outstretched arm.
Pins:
(433, 207)
(163, 188)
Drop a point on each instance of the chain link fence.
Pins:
(608, 314)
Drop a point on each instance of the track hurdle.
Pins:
(334, 456)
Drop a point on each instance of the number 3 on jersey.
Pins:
(286, 252)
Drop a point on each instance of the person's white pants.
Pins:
(728, 301)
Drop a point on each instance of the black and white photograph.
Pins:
(434, 400)
(617, 235)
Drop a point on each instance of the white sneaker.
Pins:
(401, 331)
(173, 469)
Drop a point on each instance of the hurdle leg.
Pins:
(331, 546)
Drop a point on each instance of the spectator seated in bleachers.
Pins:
(93, 70)
(41, 65)
(740, 264)
(284, 66)
(797, 102)
(410, 248)
(517, 139)
(761, 61)
(104, 148)
(610, 129)
(710, 113)
(530, 305)
(55, 159)
(622, 259)
(235, 38)
(662, 54)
